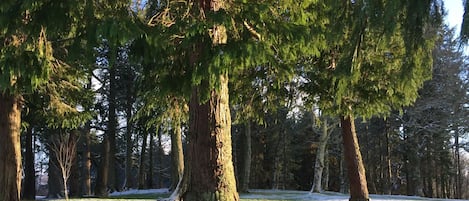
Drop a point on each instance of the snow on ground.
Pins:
(258, 194)
(264, 195)
(140, 192)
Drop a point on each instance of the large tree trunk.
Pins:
(10, 147)
(211, 174)
(353, 160)
(29, 190)
(177, 156)
(247, 152)
(319, 164)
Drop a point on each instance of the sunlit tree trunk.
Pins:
(353, 160)
(211, 175)
(10, 147)
(177, 156)
(319, 164)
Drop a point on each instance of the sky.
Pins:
(455, 11)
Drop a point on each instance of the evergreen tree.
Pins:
(379, 56)
(31, 36)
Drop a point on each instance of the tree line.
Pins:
(210, 98)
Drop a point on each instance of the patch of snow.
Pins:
(329, 196)
(140, 192)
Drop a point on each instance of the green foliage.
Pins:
(370, 67)
(258, 33)
(30, 35)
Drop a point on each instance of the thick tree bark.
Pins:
(353, 160)
(247, 152)
(319, 164)
(177, 156)
(29, 190)
(210, 152)
(10, 147)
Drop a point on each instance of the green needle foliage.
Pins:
(379, 56)
(177, 47)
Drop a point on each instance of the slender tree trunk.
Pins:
(353, 159)
(29, 190)
(103, 171)
(54, 182)
(128, 143)
(325, 179)
(74, 177)
(458, 176)
(151, 157)
(111, 131)
(10, 147)
(160, 158)
(177, 156)
(87, 161)
(86, 154)
(319, 164)
(247, 152)
(388, 174)
(142, 169)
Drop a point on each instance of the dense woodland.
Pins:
(210, 98)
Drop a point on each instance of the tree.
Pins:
(65, 150)
(319, 165)
(377, 65)
(28, 57)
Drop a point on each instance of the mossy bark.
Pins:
(177, 156)
(10, 147)
(353, 160)
(211, 172)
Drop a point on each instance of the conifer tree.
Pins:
(208, 41)
(30, 36)
(379, 56)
